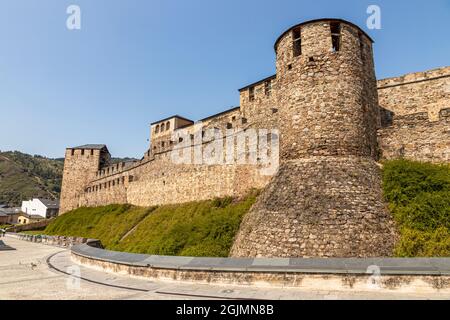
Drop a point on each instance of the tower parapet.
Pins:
(81, 165)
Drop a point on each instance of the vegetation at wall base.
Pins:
(419, 198)
(200, 228)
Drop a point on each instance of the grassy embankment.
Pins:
(202, 228)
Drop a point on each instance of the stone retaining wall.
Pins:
(31, 226)
(59, 241)
(395, 274)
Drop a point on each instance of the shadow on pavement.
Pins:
(4, 247)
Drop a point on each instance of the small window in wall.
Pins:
(167, 125)
(251, 94)
(163, 127)
(361, 46)
(82, 152)
(180, 139)
(268, 88)
(157, 129)
(229, 125)
(244, 120)
(297, 42)
(335, 28)
(72, 152)
(192, 137)
(92, 152)
(233, 118)
(162, 144)
(274, 110)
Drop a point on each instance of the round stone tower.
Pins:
(326, 199)
(327, 91)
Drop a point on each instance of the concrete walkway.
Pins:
(36, 271)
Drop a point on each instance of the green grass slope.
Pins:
(419, 198)
(202, 228)
(108, 223)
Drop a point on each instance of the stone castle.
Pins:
(336, 122)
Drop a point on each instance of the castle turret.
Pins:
(327, 91)
(81, 165)
(326, 198)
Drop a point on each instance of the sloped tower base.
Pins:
(319, 207)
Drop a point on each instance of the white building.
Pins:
(42, 207)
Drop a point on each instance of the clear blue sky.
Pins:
(134, 62)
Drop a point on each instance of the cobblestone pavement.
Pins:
(36, 271)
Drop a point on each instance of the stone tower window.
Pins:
(361, 46)
(82, 152)
(297, 41)
(244, 120)
(268, 88)
(251, 94)
(162, 144)
(167, 125)
(180, 139)
(335, 28)
(157, 129)
(229, 125)
(162, 127)
(72, 152)
(92, 152)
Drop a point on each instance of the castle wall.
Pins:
(334, 121)
(159, 179)
(427, 91)
(416, 137)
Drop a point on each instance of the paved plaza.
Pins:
(35, 271)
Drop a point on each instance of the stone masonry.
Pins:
(335, 124)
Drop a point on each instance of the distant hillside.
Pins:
(23, 176)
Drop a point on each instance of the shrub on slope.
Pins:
(419, 198)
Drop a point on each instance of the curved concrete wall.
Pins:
(418, 275)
